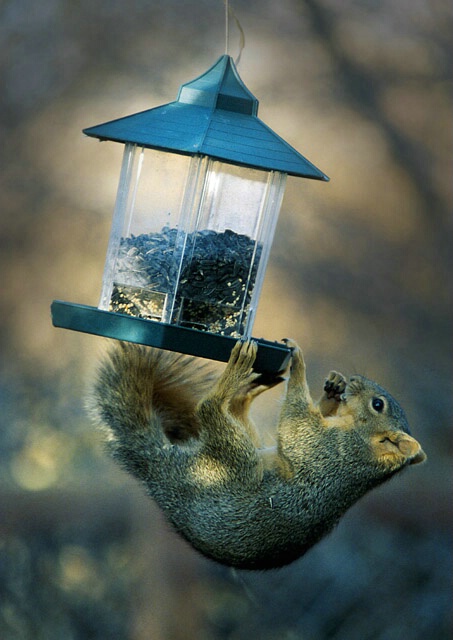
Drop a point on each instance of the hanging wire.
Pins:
(227, 24)
(229, 12)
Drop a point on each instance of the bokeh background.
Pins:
(360, 275)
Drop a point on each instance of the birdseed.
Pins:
(217, 272)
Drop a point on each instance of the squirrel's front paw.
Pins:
(335, 385)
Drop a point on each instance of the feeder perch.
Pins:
(200, 190)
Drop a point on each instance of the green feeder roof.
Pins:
(214, 115)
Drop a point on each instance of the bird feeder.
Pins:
(200, 190)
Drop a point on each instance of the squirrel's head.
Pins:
(380, 420)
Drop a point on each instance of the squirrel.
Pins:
(188, 437)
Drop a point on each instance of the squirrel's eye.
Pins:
(378, 404)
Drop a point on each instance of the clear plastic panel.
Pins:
(226, 252)
(142, 259)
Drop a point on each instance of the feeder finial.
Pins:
(220, 87)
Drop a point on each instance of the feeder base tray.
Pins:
(272, 357)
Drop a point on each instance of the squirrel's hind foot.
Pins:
(238, 374)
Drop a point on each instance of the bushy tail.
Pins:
(141, 393)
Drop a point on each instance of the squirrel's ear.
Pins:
(398, 445)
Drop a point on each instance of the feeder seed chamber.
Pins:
(200, 190)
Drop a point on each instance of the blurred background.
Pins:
(359, 275)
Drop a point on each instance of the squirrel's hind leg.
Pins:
(299, 414)
(298, 393)
(225, 431)
(239, 406)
